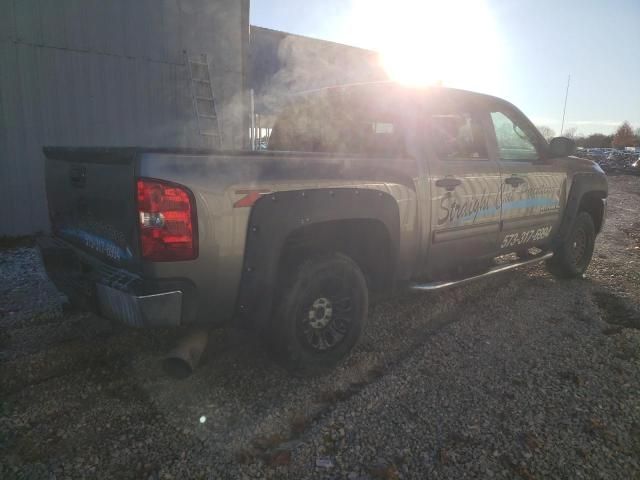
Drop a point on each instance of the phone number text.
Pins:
(521, 238)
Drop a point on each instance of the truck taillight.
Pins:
(167, 221)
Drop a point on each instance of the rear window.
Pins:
(367, 122)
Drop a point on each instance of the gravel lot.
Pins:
(522, 376)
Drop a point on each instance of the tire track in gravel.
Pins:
(538, 363)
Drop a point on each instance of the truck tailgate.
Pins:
(91, 195)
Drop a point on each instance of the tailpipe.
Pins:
(185, 357)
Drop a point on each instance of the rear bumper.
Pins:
(113, 293)
(156, 310)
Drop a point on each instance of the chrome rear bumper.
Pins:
(160, 309)
(114, 293)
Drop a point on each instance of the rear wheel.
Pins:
(571, 259)
(320, 314)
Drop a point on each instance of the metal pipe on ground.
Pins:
(185, 357)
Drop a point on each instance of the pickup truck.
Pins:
(363, 190)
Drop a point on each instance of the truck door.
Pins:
(532, 187)
(464, 185)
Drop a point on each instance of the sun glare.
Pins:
(426, 42)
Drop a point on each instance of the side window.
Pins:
(514, 143)
(458, 136)
(345, 124)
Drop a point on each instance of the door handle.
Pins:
(514, 181)
(448, 183)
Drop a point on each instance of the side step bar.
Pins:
(429, 287)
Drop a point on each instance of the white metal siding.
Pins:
(107, 73)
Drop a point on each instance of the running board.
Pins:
(429, 287)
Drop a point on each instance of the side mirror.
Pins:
(562, 147)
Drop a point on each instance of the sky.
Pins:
(519, 50)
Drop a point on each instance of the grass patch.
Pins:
(7, 242)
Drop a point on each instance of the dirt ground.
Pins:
(521, 376)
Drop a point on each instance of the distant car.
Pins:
(595, 154)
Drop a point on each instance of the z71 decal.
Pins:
(521, 238)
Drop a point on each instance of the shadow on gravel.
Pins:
(617, 310)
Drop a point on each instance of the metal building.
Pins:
(114, 73)
(158, 73)
(282, 64)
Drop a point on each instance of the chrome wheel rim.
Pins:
(325, 323)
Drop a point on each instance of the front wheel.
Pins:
(320, 315)
(572, 257)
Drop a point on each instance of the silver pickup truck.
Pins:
(363, 189)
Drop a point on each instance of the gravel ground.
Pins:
(521, 376)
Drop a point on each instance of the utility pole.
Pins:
(564, 110)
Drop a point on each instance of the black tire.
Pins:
(320, 314)
(571, 259)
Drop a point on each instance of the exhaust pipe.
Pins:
(185, 357)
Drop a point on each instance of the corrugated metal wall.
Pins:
(109, 73)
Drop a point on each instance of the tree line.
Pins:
(624, 136)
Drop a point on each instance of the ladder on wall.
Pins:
(203, 99)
